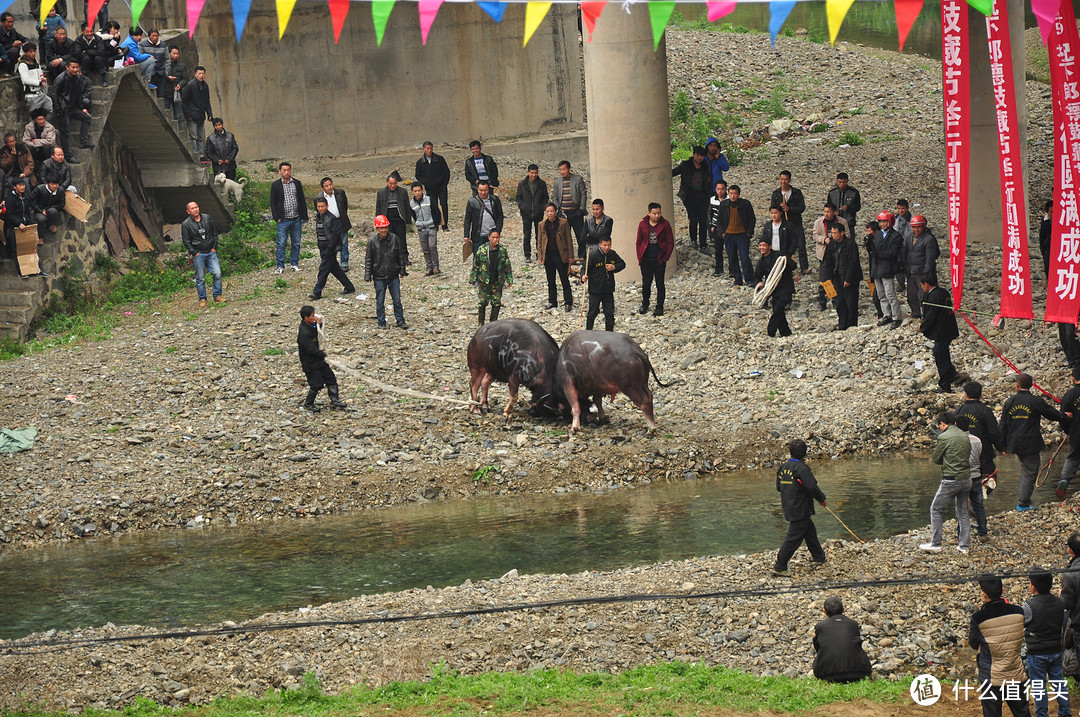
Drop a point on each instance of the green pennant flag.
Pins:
(380, 13)
(659, 14)
(139, 5)
(984, 6)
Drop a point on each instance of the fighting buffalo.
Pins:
(517, 352)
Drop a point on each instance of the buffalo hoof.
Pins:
(575, 429)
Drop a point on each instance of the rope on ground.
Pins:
(394, 389)
(39, 646)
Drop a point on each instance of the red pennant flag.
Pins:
(906, 12)
(590, 13)
(339, 10)
(94, 8)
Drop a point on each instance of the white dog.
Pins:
(228, 185)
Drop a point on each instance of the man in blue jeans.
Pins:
(289, 209)
(1044, 617)
(385, 265)
(200, 238)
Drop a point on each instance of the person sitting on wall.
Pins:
(90, 52)
(16, 161)
(60, 48)
(47, 201)
(55, 167)
(39, 136)
(18, 215)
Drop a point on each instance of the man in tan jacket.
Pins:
(997, 632)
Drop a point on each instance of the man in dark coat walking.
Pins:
(313, 360)
(798, 490)
(939, 325)
(433, 173)
(329, 234)
(838, 644)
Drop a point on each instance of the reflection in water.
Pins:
(197, 577)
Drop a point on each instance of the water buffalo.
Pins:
(518, 352)
(593, 364)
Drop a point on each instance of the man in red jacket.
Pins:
(655, 242)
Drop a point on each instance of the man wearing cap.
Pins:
(695, 188)
(385, 265)
(1021, 427)
(952, 452)
(920, 257)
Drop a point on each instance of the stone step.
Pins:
(16, 314)
(14, 332)
(17, 299)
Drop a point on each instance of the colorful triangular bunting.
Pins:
(1045, 12)
(47, 5)
(284, 12)
(137, 8)
(494, 8)
(380, 13)
(92, 10)
(534, 15)
(659, 14)
(240, 10)
(906, 13)
(984, 6)
(719, 8)
(778, 13)
(590, 13)
(194, 9)
(835, 11)
(428, 10)
(339, 10)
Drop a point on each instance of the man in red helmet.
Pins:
(385, 265)
(886, 247)
(920, 257)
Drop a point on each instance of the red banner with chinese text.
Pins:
(1062, 298)
(954, 69)
(1015, 267)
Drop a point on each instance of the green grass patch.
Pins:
(850, 138)
(273, 352)
(280, 283)
(693, 125)
(673, 688)
(172, 349)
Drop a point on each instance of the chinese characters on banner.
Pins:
(1015, 269)
(1062, 299)
(954, 68)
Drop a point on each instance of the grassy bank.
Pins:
(674, 688)
(90, 305)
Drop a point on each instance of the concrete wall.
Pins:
(305, 96)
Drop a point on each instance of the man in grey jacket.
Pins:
(568, 192)
(200, 238)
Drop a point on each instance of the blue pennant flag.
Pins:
(493, 8)
(778, 12)
(240, 10)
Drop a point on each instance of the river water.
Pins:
(191, 577)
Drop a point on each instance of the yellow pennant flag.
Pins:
(47, 5)
(284, 12)
(534, 15)
(836, 10)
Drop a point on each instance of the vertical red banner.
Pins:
(1015, 267)
(1062, 298)
(954, 68)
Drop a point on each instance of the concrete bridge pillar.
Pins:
(626, 96)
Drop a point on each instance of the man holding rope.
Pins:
(798, 490)
(1021, 426)
(953, 453)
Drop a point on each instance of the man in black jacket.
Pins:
(600, 269)
(385, 265)
(483, 212)
(19, 215)
(798, 490)
(939, 325)
(56, 167)
(1070, 406)
(47, 201)
(531, 198)
(90, 54)
(847, 275)
(289, 209)
(337, 203)
(200, 238)
(780, 234)
(886, 248)
(221, 149)
(790, 201)
(72, 97)
(920, 257)
(434, 174)
(392, 202)
(735, 221)
(313, 360)
(695, 188)
(195, 101)
(1070, 587)
(1044, 622)
(848, 201)
(1021, 427)
(838, 646)
(480, 166)
(784, 291)
(329, 234)
(976, 418)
